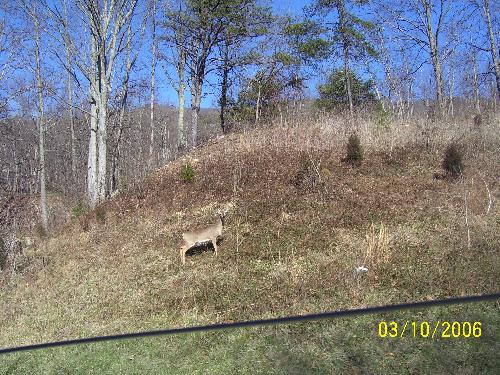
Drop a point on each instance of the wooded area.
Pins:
(80, 81)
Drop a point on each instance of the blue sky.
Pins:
(295, 8)
(166, 94)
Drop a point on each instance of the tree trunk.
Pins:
(115, 157)
(180, 119)
(436, 63)
(345, 48)
(491, 37)
(195, 108)
(41, 126)
(92, 155)
(102, 141)
(257, 106)
(152, 93)
(475, 84)
(451, 86)
(181, 71)
(223, 99)
(223, 95)
(105, 22)
(348, 80)
(70, 95)
(140, 158)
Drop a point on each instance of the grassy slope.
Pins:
(291, 247)
(346, 346)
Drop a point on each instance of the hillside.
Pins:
(299, 223)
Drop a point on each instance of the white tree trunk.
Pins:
(195, 109)
(92, 157)
(152, 93)
(102, 143)
(41, 125)
(181, 142)
(105, 21)
(475, 84)
(70, 94)
(257, 106)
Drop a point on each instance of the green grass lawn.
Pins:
(335, 346)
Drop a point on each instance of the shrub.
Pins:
(478, 120)
(100, 214)
(354, 150)
(381, 117)
(3, 254)
(85, 222)
(187, 173)
(452, 162)
(79, 209)
(40, 230)
(308, 176)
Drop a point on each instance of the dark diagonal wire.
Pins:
(262, 322)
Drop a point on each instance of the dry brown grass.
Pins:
(377, 246)
(286, 249)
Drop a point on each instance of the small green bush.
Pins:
(354, 150)
(187, 173)
(452, 162)
(78, 210)
(381, 117)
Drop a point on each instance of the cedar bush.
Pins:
(452, 162)
(187, 173)
(354, 150)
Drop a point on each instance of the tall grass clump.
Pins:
(3, 254)
(452, 161)
(100, 214)
(187, 173)
(308, 177)
(354, 150)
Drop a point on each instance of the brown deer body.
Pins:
(199, 236)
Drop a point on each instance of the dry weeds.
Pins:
(286, 250)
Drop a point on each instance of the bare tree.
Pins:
(154, 43)
(420, 23)
(105, 21)
(32, 12)
(491, 39)
(9, 41)
(69, 81)
(176, 36)
(123, 98)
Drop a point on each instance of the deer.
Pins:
(203, 235)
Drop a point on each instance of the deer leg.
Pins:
(183, 254)
(214, 241)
